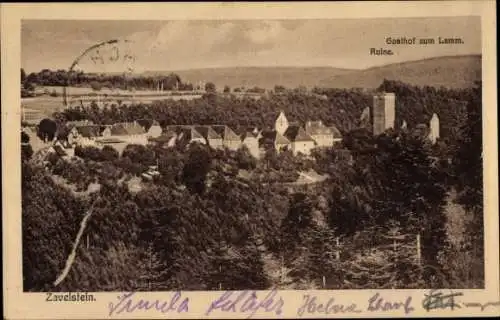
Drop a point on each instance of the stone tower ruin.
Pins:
(383, 113)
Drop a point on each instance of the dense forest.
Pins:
(219, 219)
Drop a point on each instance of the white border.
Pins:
(32, 305)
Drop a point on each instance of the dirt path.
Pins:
(72, 256)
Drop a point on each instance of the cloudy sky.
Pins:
(178, 45)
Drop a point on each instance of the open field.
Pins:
(41, 104)
(35, 109)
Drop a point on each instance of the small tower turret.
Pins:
(434, 128)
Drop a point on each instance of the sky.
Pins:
(188, 44)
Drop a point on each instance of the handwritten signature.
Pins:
(437, 300)
(377, 303)
(311, 305)
(482, 306)
(247, 302)
(126, 303)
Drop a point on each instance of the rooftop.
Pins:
(127, 128)
(274, 137)
(225, 132)
(296, 133)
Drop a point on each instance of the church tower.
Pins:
(383, 113)
(434, 126)
(281, 123)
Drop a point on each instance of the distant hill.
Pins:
(451, 72)
(263, 77)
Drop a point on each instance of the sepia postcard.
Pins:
(249, 160)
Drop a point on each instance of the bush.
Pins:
(89, 153)
(245, 159)
(109, 153)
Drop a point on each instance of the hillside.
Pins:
(264, 77)
(451, 72)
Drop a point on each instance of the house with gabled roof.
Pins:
(272, 138)
(321, 134)
(300, 141)
(145, 123)
(129, 132)
(250, 139)
(152, 127)
(84, 135)
(155, 130)
(166, 140)
(230, 139)
(212, 138)
(186, 134)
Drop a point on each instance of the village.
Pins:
(300, 139)
(285, 135)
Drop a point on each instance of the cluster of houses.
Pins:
(284, 136)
